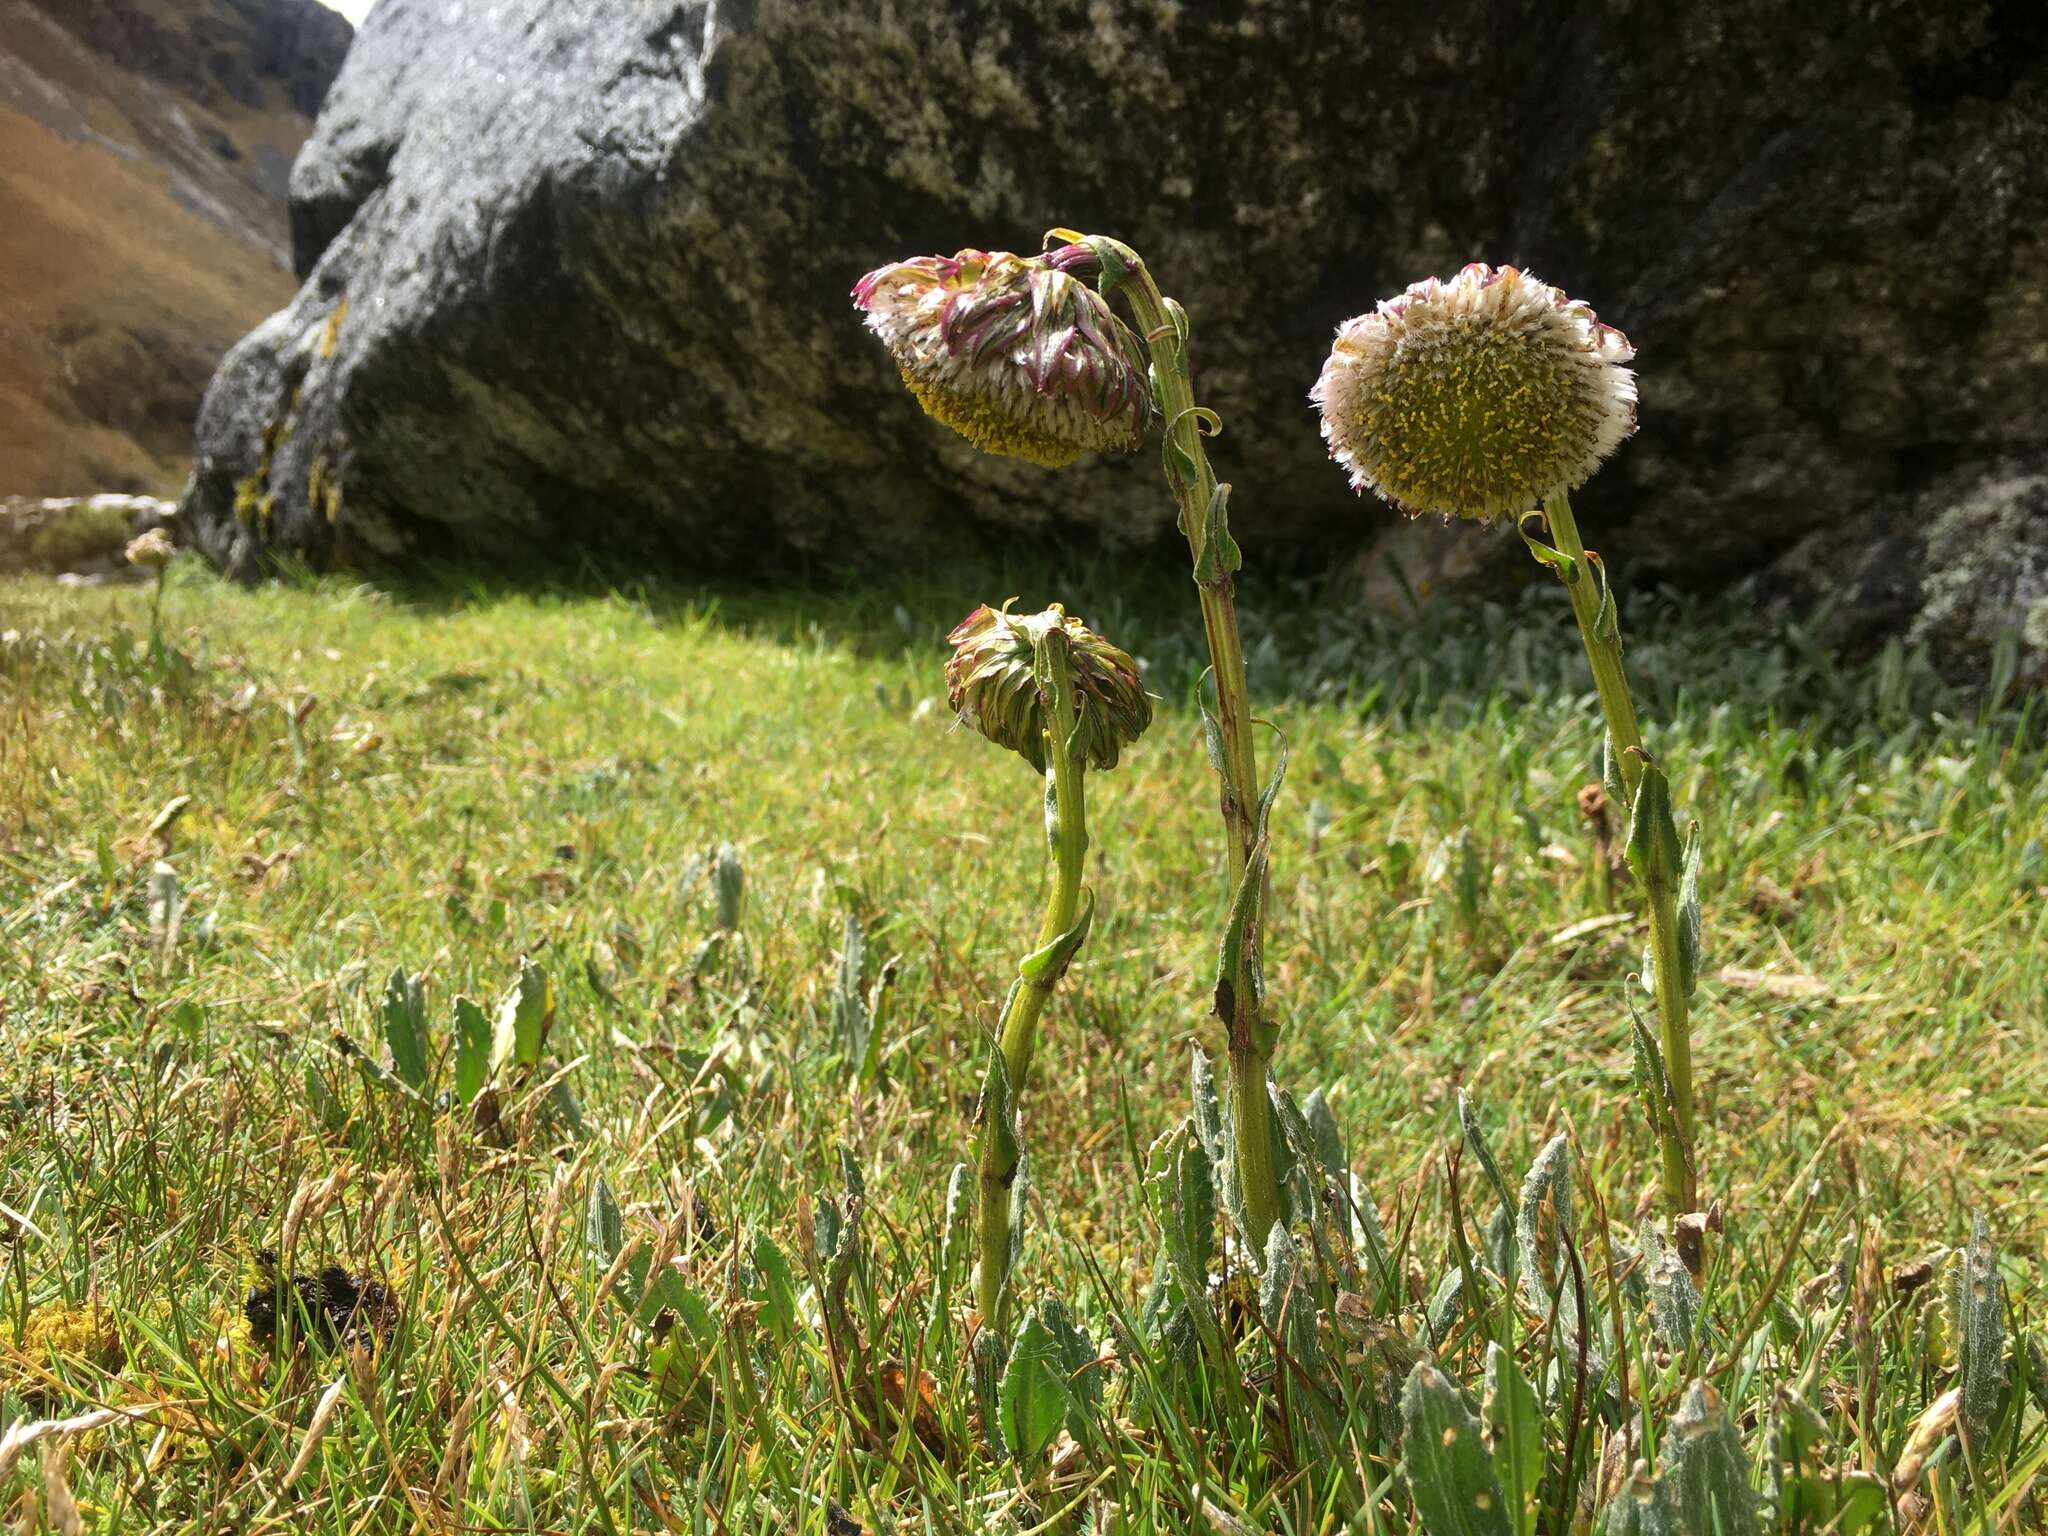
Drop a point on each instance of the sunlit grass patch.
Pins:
(215, 853)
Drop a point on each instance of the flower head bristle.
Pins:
(1015, 353)
(1477, 397)
(993, 684)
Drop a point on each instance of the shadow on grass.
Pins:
(1448, 660)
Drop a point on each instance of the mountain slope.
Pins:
(144, 150)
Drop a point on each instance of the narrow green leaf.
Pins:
(1977, 1309)
(1606, 620)
(1546, 1220)
(728, 883)
(1443, 1451)
(1208, 1116)
(1689, 945)
(1653, 1087)
(604, 1226)
(1555, 559)
(1020, 1200)
(1047, 965)
(523, 1019)
(1212, 728)
(1654, 854)
(1085, 1375)
(1207, 1122)
(1295, 1167)
(1033, 1400)
(1263, 811)
(1703, 1470)
(850, 1021)
(1286, 1303)
(1446, 1303)
(1371, 1235)
(1166, 1178)
(567, 1107)
(1219, 552)
(1475, 1139)
(839, 1242)
(326, 1107)
(472, 1051)
(1545, 1224)
(1326, 1141)
(954, 1236)
(1674, 1299)
(1514, 1431)
(405, 1029)
(779, 1312)
(1239, 982)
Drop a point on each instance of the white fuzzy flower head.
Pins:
(1016, 354)
(1476, 397)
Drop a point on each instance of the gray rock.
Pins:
(1959, 567)
(576, 270)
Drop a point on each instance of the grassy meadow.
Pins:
(612, 1298)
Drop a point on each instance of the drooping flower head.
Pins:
(152, 550)
(1476, 397)
(1017, 354)
(993, 683)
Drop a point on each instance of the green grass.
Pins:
(448, 779)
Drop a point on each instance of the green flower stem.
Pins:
(1250, 1036)
(1602, 635)
(1066, 836)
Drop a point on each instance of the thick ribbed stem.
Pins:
(1249, 1036)
(1603, 652)
(1066, 836)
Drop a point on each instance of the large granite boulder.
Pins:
(576, 273)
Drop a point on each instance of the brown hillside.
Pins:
(142, 231)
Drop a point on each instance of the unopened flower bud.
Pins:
(1016, 354)
(1476, 397)
(993, 684)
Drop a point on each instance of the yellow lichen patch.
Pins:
(990, 430)
(323, 489)
(249, 496)
(330, 333)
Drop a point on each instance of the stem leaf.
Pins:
(1033, 1400)
(1654, 854)
(1219, 552)
(1689, 941)
(1044, 967)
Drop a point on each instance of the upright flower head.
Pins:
(1476, 397)
(1016, 354)
(993, 684)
